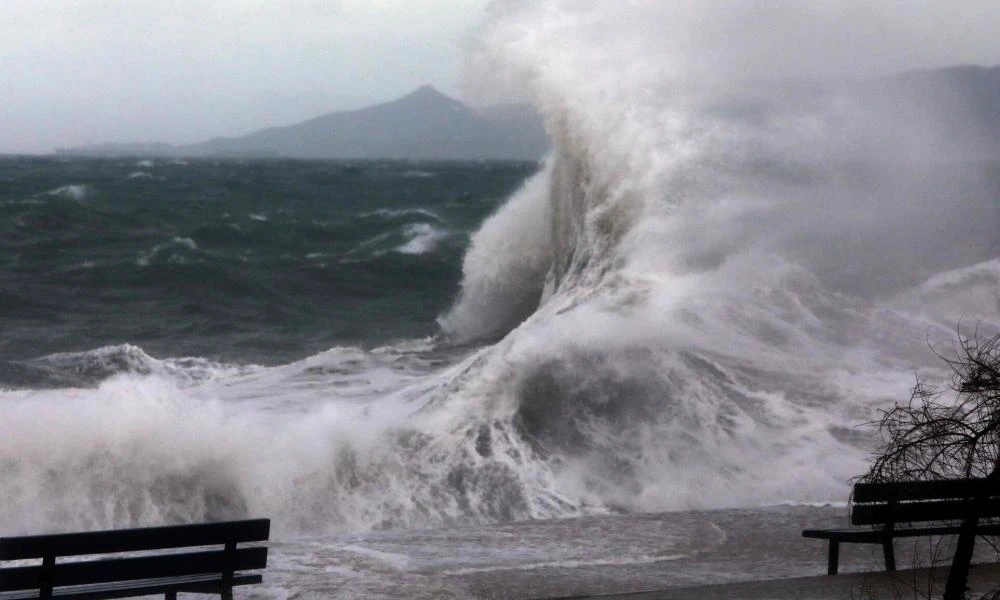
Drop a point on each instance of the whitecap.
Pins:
(391, 213)
(423, 238)
(144, 258)
(186, 242)
(74, 191)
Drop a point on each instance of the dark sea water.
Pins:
(252, 262)
(438, 384)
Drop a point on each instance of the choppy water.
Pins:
(261, 262)
(691, 305)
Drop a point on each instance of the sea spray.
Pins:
(504, 270)
(342, 441)
(725, 249)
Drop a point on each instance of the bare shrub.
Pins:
(953, 434)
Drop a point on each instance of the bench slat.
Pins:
(908, 512)
(941, 503)
(142, 567)
(923, 490)
(134, 540)
(197, 584)
(875, 535)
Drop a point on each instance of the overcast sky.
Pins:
(78, 72)
(88, 71)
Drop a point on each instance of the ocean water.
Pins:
(259, 262)
(495, 379)
(378, 357)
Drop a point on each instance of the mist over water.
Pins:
(722, 270)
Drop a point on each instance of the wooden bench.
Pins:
(892, 510)
(154, 565)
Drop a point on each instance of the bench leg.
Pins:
(889, 554)
(171, 595)
(834, 557)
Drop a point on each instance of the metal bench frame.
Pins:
(944, 504)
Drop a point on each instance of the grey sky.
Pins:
(86, 71)
(89, 71)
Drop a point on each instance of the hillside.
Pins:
(423, 125)
(955, 109)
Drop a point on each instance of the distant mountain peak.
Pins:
(426, 90)
(425, 124)
(427, 93)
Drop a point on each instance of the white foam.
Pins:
(970, 294)
(699, 340)
(401, 212)
(505, 268)
(399, 562)
(145, 258)
(571, 564)
(73, 192)
(186, 242)
(28, 202)
(423, 238)
(306, 443)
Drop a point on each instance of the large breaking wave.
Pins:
(708, 286)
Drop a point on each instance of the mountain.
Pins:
(423, 125)
(121, 150)
(955, 109)
(522, 126)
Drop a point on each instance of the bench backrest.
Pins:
(913, 501)
(175, 564)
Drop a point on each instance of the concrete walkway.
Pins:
(911, 583)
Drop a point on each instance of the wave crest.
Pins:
(505, 269)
